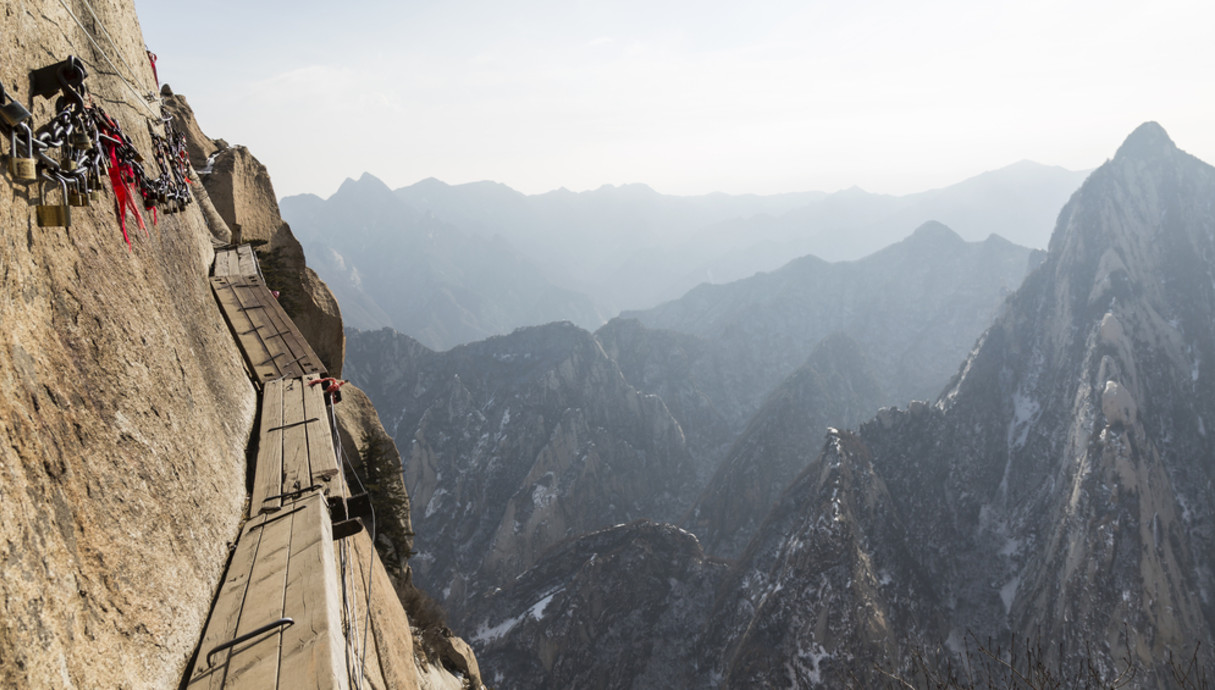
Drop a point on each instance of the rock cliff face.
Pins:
(125, 413)
(1083, 471)
(519, 442)
(828, 587)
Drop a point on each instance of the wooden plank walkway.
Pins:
(284, 564)
(272, 344)
(236, 261)
(295, 447)
(283, 567)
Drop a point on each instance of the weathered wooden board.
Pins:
(225, 614)
(268, 468)
(247, 261)
(295, 446)
(314, 649)
(236, 261)
(283, 567)
(272, 344)
(254, 663)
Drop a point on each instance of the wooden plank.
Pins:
(321, 455)
(296, 473)
(268, 473)
(273, 344)
(243, 327)
(221, 263)
(252, 296)
(247, 261)
(303, 360)
(255, 662)
(313, 650)
(225, 614)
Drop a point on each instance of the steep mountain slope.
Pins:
(516, 443)
(398, 267)
(828, 587)
(1061, 489)
(1086, 403)
(834, 388)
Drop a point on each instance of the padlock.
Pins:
(80, 139)
(78, 195)
(13, 113)
(54, 216)
(22, 168)
(94, 186)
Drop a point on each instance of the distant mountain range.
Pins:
(1054, 505)
(517, 443)
(449, 264)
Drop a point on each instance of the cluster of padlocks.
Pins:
(81, 146)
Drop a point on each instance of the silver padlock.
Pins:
(54, 216)
(22, 168)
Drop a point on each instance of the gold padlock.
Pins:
(54, 216)
(22, 168)
(79, 196)
(80, 140)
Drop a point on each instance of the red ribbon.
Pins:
(152, 59)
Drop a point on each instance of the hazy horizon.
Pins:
(642, 183)
(766, 98)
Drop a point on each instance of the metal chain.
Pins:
(92, 144)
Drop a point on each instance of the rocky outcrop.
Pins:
(239, 188)
(199, 147)
(519, 442)
(834, 388)
(373, 456)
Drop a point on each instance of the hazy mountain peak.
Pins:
(936, 232)
(1147, 141)
(429, 183)
(366, 186)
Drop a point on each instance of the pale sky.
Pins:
(688, 97)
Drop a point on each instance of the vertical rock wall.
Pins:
(124, 405)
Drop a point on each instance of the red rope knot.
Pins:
(332, 387)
